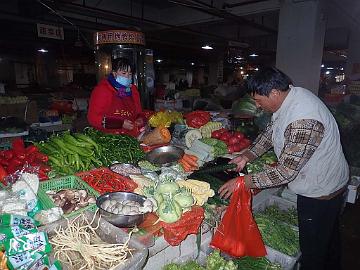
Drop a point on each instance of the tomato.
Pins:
(216, 134)
(231, 149)
(239, 135)
(225, 136)
(233, 140)
(237, 148)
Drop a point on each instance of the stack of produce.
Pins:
(202, 151)
(71, 153)
(213, 262)
(220, 147)
(25, 247)
(288, 216)
(189, 162)
(115, 148)
(15, 158)
(78, 246)
(103, 180)
(278, 235)
(207, 129)
(235, 141)
(165, 118)
(160, 135)
(197, 119)
(258, 165)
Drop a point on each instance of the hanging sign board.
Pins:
(119, 37)
(50, 31)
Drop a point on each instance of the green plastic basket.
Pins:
(66, 182)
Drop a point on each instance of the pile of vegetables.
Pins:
(214, 183)
(251, 263)
(258, 165)
(200, 190)
(148, 166)
(202, 151)
(278, 235)
(197, 119)
(245, 105)
(213, 262)
(207, 129)
(15, 158)
(165, 118)
(103, 180)
(115, 148)
(235, 141)
(160, 135)
(79, 247)
(70, 153)
(288, 216)
(189, 162)
(220, 147)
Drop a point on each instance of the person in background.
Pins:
(114, 105)
(306, 140)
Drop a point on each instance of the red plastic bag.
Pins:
(238, 234)
(189, 223)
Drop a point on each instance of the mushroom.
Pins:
(82, 193)
(68, 207)
(91, 199)
(69, 194)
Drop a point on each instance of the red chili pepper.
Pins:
(3, 173)
(45, 168)
(43, 176)
(8, 154)
(31, 149)
(18, 146)
(42, 157)
(21, 156)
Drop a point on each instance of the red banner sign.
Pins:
(119, 37)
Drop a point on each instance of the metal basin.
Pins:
(165, 155)
(121, 220)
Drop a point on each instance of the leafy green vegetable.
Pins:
(288, 216)
(262, 263)
(278, 235)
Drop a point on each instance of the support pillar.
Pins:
(352, 70)
(301, 41)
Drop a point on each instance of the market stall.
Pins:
(91, 200)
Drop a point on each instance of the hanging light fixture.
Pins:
(207, 47)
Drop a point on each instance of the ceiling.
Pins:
(174, 28)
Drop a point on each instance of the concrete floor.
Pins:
(350, 234)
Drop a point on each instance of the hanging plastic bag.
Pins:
(238, 234)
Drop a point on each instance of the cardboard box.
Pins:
(353, 189)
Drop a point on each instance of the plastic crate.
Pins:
(274, 200)
(286, 262)
(66, 182)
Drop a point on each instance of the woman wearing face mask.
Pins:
(114, 105)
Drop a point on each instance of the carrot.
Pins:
(185, 165)
(190, 161)
(194, 158)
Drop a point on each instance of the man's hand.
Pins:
(128, 124)
(228, 188)
(240, 162)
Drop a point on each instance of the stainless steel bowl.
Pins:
(165, 155)
(120, 220)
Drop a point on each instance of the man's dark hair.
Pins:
(266, 79)
(122, 63)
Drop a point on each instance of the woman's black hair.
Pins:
(122, 63)
(266, 79)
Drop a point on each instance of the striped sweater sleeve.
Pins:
(302, 137)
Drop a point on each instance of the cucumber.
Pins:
(216, 168)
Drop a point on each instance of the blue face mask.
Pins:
(123, 81)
